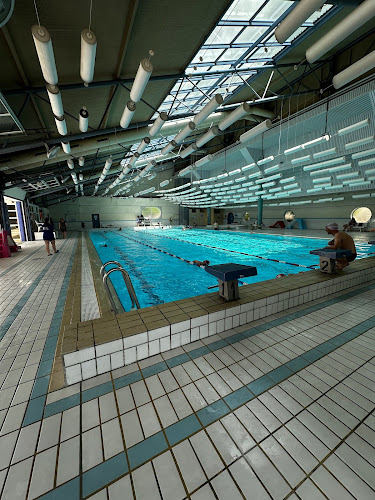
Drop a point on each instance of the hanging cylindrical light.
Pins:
(74, 177)
(210, 134)
(357, 18)
(164, 183)
(142, 77)
(188, 151)
(158, 123)
(127, 115)
(61, 125)
(168, 148)
(184, 132)
(237, 114)
(255, 131)
(80, 177)
(44, 49)
(66, 147)
(54, 96)
(209, 108)
(81, 161)
(83, 119)
(354, 71)
(145, 142)
(134, 158)
(70, 163)
(300, 13)
(88, 53)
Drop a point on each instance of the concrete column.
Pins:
(260, 211)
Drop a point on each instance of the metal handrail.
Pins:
(128, 284)
(107, 264)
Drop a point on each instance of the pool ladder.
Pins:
(127, 281)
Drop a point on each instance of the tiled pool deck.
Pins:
(277, 407)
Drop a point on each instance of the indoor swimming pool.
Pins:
(157, 260)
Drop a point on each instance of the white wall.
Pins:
(113, 211)
(315, 215)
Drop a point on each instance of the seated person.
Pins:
(350, 224)
(341, 241)
(200, 263)
(216, 225)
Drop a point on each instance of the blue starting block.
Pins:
(300, 222)
(228, 275)
(328, 257)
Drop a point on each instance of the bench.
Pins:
(328, 257)
(228, 275)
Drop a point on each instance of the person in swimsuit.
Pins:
(63, 227)
(341, 241)
(48, 235)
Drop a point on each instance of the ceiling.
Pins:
(201, 48)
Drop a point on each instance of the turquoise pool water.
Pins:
(154, 259)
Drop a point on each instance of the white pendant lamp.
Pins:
(189, 150)
(83, 119)
(237, 114)
(210, 134)
(54, 96)
(142, 77)
(61, 125)
(88, 54)
(66, 147)
(158, 123)
(187, 130)
(209, 108)
(357, 18)
(301, 12)
(145, 142)
(127, 115)
(70, 163)
(134, 158)
(353, 128)
(44, 49)
(168, 148)
(81, 161)
(164, 183)
(354, 71)
(204, 160)
(80, 177)
(255, 131)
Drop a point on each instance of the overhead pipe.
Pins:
(300, 13)
(29, 159)
(357, 18)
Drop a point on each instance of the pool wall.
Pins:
(136, 335)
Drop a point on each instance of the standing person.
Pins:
(216, 225)
(341, 241)
(48, 235)
(63, 227)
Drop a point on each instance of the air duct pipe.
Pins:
(354, 71)
(360, 16)
(301, 12)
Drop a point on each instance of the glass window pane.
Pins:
(273, 10)
(243, 9)
(232, 54)
(251, 34)
(223, 34)
(222, 67)
(207, 55)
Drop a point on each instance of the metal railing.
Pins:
(127, 281)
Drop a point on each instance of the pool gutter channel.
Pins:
(118, 340)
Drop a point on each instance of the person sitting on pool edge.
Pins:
(341, 241)
(200, 263)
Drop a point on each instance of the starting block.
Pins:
(228, 275)
(328, 258)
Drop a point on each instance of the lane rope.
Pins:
(233, 251)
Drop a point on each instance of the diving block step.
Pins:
(328, 258)
(228, 275)
(301, 224)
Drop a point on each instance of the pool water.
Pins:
(156, 260)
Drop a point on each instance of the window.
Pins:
(151, 213)
(289, 216)
(361, 215)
